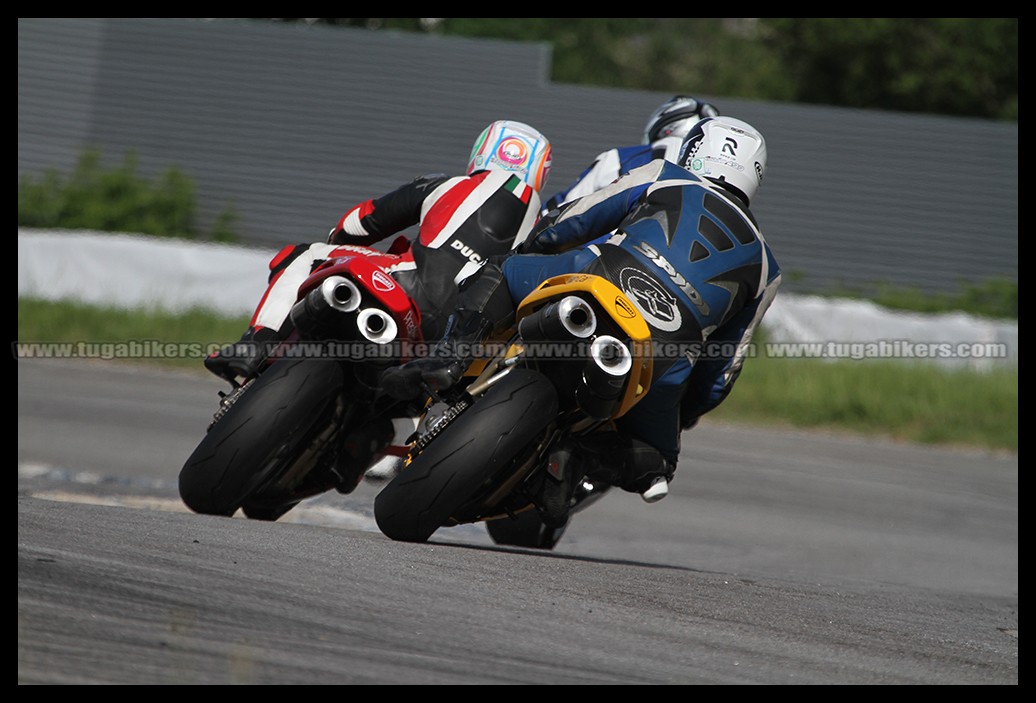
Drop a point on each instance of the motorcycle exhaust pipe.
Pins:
(604, 377)
(319, 315)
(570, 317)
(376, 325)
(610, 359)
(340, 293)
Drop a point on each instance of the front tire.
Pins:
(261, 435)
(476, 448)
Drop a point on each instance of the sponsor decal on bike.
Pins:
(624, 308)
(411, 324)
(382, 281)
(354, 249)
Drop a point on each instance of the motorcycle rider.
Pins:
(687, 251)
(463, 220)
(664, 133)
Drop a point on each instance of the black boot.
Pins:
(446, 360)
(564, 470)
(484, 307)
(647, 472)
(627, 463)
(244, 357)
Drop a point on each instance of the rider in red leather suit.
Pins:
(462, 221)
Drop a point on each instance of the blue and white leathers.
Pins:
(610, 165)
(691, 258)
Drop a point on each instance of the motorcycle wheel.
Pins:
(261, 435)
(477, 448)
(525, 530)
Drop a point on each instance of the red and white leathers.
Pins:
(462, 221)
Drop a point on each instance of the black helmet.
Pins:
(675, 117)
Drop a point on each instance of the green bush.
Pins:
(198, 330)
(915, 402)
(996, 298)
(116, 200)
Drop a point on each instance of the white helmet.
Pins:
(506, 145)
(675, 117)
(727, 151)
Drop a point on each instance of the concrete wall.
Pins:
(292, 125)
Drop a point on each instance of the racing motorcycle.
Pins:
(577, 358)
(312, 420)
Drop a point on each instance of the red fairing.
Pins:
(375, 281)
(283, 254)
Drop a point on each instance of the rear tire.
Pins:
(477, 447)
(261, 435)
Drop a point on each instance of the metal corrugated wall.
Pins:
(294, 124)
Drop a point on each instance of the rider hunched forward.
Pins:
(463, 220)
(686, 248)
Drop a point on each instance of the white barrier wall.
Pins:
(134, 271)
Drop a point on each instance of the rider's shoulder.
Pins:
(431, 177)
(669, 170)
(626, 153)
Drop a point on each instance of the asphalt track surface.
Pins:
(779, 557)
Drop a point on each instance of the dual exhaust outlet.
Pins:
(332, 311)
(602, 376)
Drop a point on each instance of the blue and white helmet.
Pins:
(726, 151)
(675, 117)
(506, 145)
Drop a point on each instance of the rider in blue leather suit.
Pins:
(685, 249)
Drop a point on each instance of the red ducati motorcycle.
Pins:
(312, 420)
